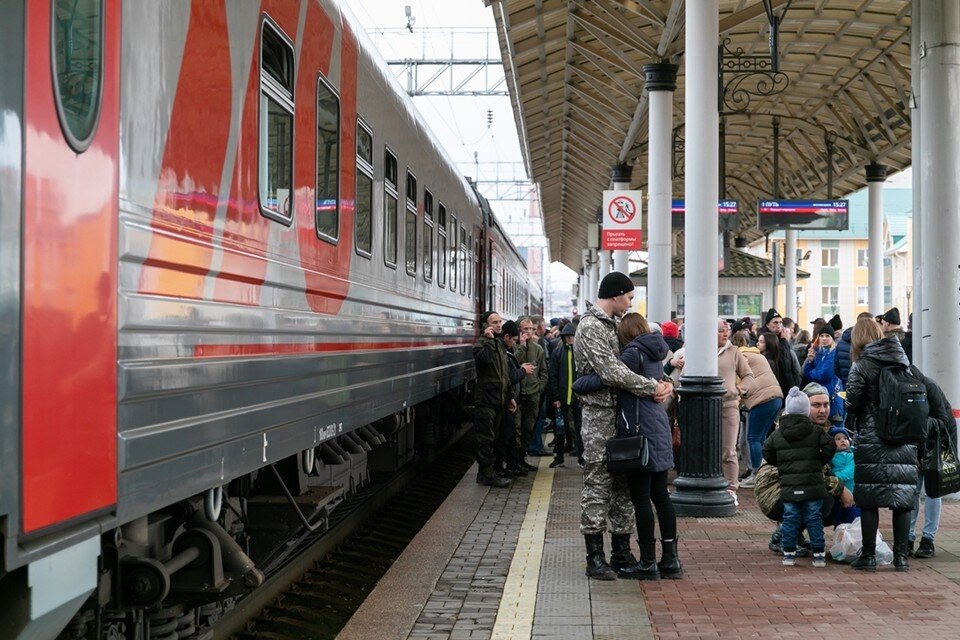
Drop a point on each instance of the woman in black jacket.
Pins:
(885, 474)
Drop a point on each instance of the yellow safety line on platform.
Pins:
(515, 616)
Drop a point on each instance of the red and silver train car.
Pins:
(227, 239)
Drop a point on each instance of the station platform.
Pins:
(509, 563)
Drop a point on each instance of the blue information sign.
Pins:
(727, 209)
(830, 215)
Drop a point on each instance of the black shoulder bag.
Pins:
(628, 451)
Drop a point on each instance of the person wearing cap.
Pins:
(842, 466)
(818, 367)
(788, 368)
(767, 482)
(606, 497)
(566, 406)
(890, 324)
(799, 449)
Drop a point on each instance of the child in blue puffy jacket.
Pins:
(841, 465)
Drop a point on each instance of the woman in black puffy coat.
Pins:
(885, 474)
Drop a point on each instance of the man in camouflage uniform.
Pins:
(605, 496)
(532, 387)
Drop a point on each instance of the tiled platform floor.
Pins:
(463, 577)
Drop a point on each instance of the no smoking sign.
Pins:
(622, 228)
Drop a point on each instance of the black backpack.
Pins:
(903, 412)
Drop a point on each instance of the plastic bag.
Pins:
(848, 543)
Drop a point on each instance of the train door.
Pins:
(62, 227)
(479, 272)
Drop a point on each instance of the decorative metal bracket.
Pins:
(743, 77)
(677, 151)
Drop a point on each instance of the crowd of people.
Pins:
(801, 425)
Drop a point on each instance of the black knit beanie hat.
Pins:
(615, 284)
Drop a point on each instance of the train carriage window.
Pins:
(363, 213)
(328, 162)
(441, 245)
(390, 209)
(463, 258)
(410, 226)
(276, 124)
(427, 236)
(453, 253)
(77, 40)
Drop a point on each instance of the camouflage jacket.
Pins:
(597, 350)
(767, 487)
(532, 352)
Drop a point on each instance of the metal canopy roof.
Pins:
(574, 69)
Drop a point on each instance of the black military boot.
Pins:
(597, 566)
(490, 478)
(646, 568)
(522, 458)
(669, 565)
(865, 562)
(900, 555)
(620, 555)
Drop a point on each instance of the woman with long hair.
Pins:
(886, 474)
(763, 397)
(818, 367)
(769, 345)
(644, 353)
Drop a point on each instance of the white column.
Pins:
(621, 261)
(916, 299)
(594, 275)
(939, 166)
(790, 260)
(876, 174)
(661, 82)
(701, 188)
(620, 178)
(604, 263)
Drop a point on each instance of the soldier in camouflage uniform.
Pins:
(605, 496)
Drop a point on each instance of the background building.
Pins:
(837, 262)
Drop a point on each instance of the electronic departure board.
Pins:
(831, 215)
(728, 210)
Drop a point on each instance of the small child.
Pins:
(842, 467)
(799, 449)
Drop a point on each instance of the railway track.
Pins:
(315, 594)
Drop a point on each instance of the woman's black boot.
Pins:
(646, 568)
(866, 562)
(669, 565)
(900, 555)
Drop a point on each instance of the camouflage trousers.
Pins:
(529, 410)
(486, 424)
(605, 496)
